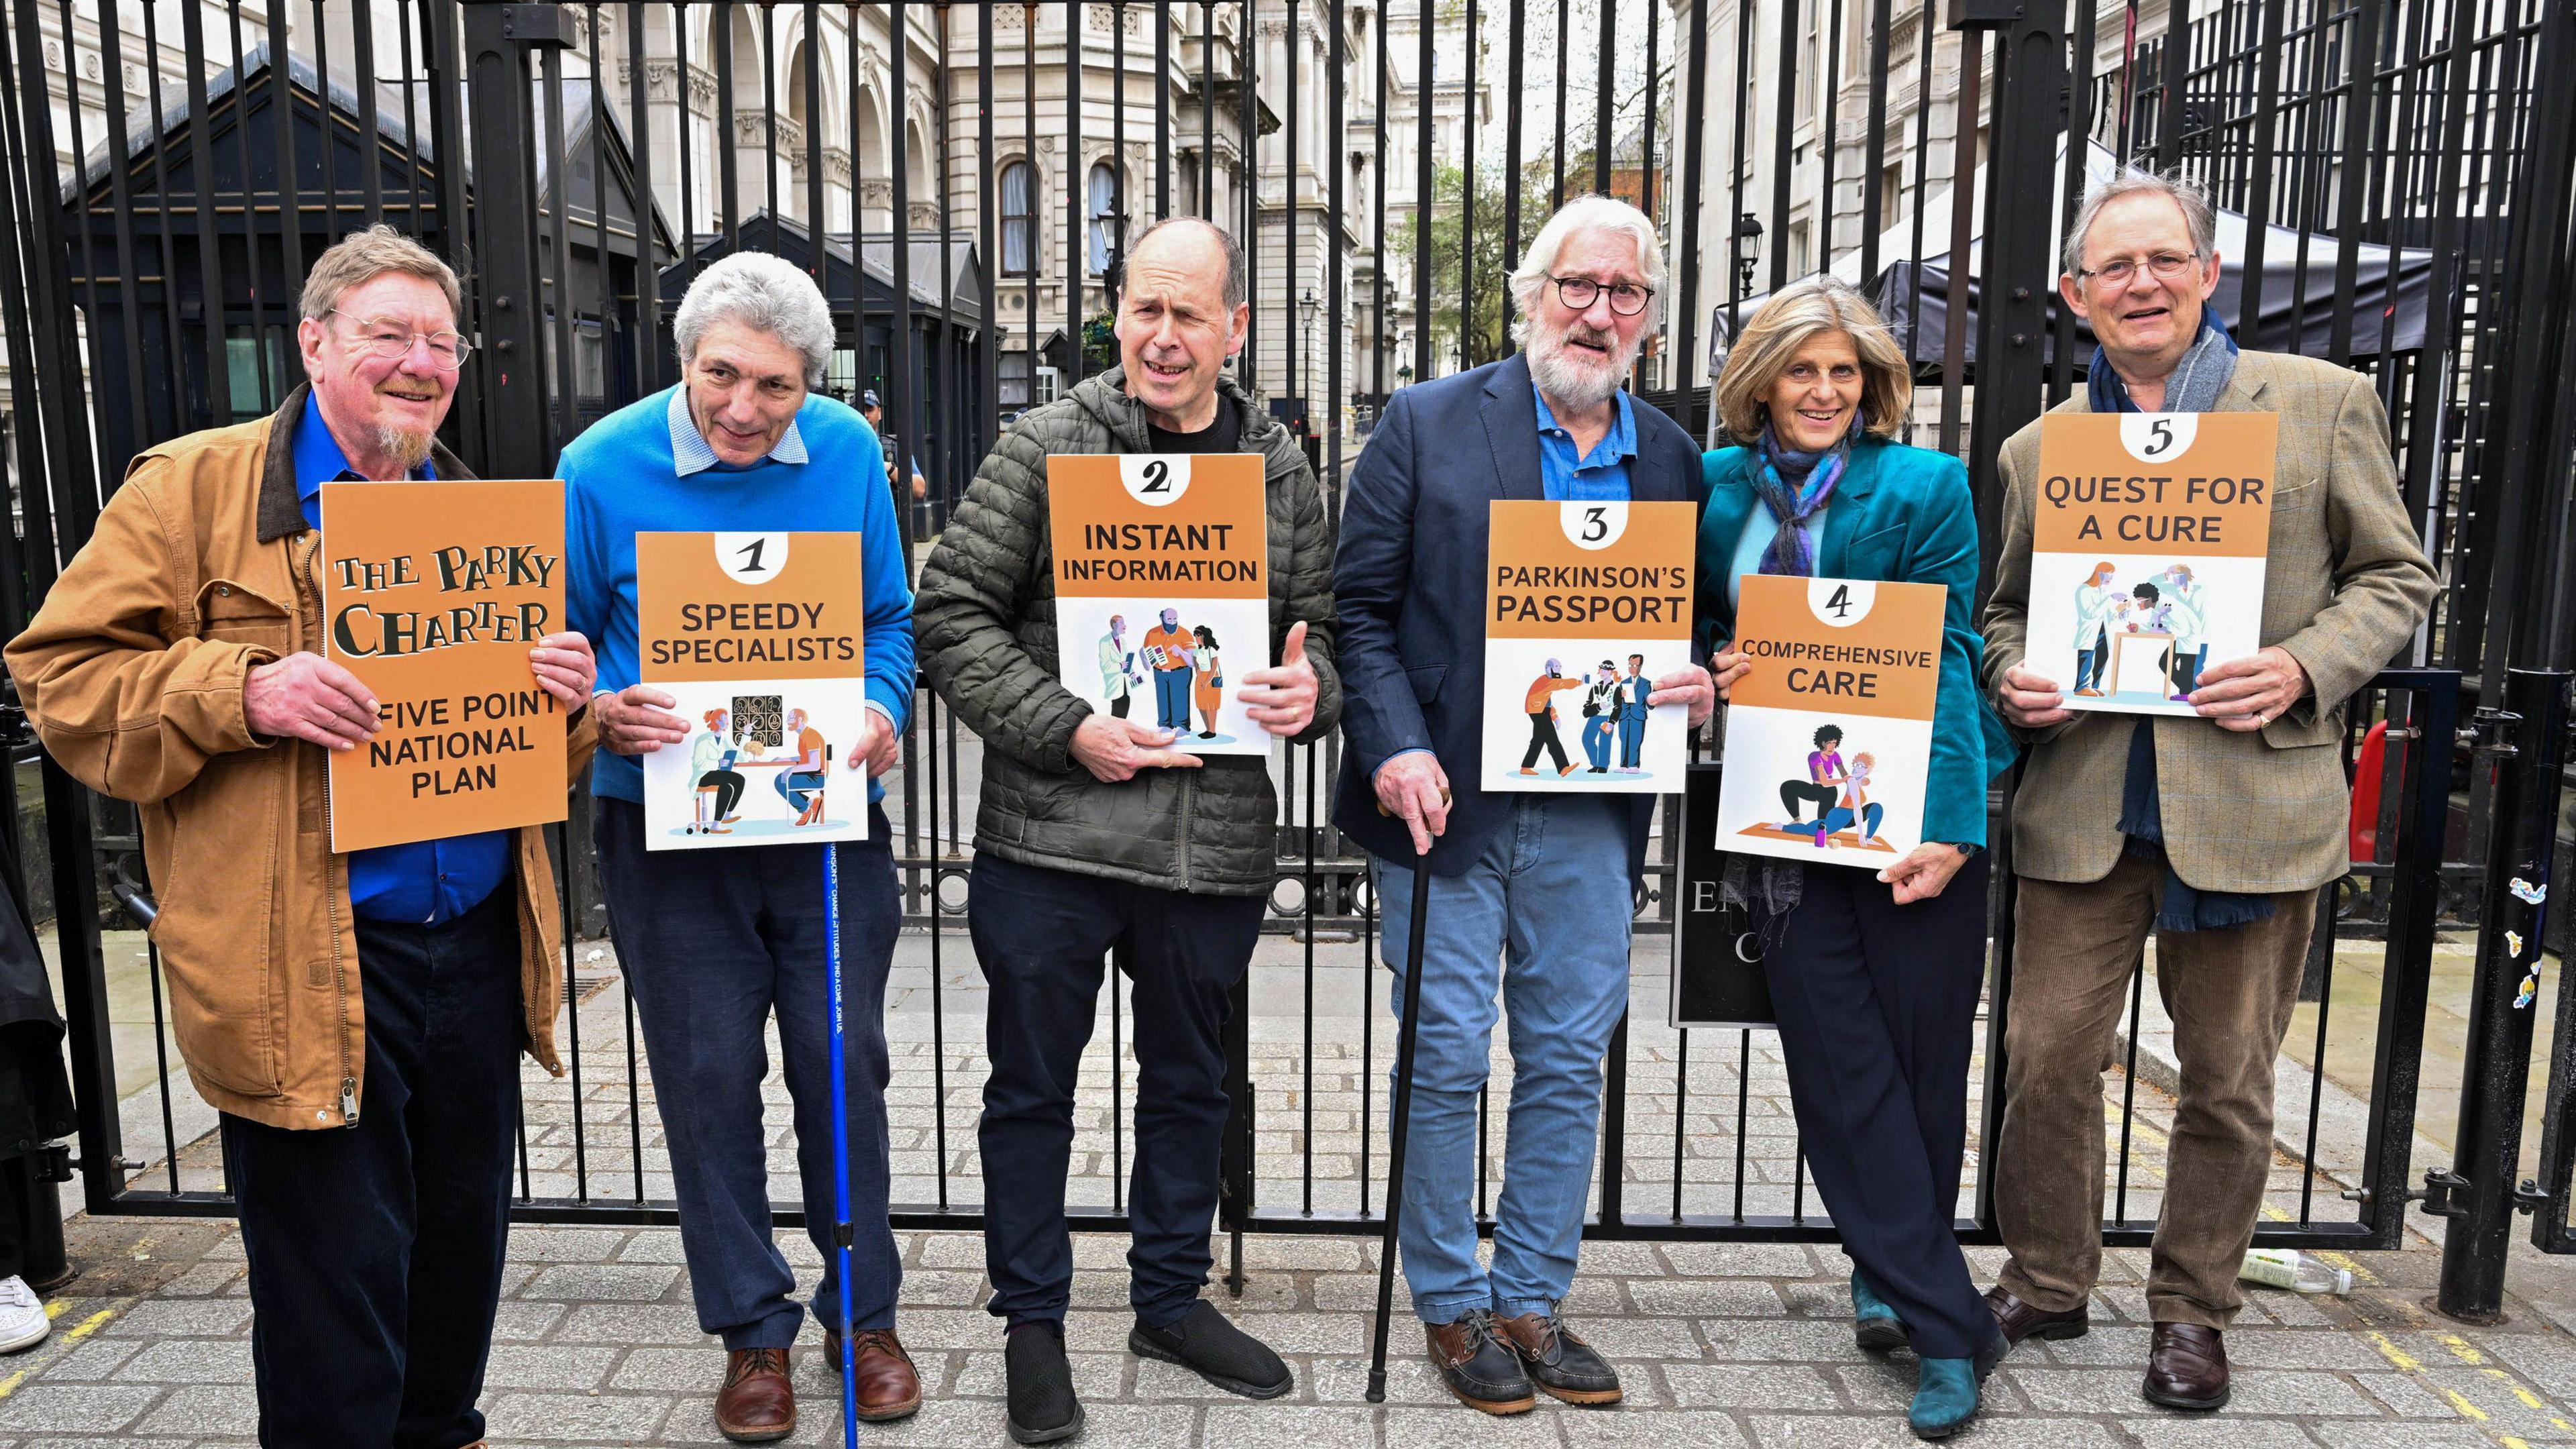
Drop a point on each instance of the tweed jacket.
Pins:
(2346, 586)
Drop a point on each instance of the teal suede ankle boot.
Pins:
(1947, 1390)
(1875, 1326)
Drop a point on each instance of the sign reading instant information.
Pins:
(2147, 552)
(1829, 738)
(761, 639)
(433, 593)
(1162, 590)
(1586, 605)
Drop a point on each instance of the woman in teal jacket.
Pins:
(1874, 977)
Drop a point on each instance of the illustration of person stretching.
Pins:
(1856, 808)
(1167, 651)
(1208, 690)
(1542, 715)
(1824, 769)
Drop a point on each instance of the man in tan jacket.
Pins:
(357, 1019)
(2216, 831)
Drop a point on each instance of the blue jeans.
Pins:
(712, 941)
(1543, 914)
(1839, 818)
(795, 785)
(1172, 699)
(1596, 741)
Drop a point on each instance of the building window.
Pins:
(1019, 219)
(1046, 384)
(589, 362)
(1013, 392)
(1104, 216)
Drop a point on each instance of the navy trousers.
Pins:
(1877, 1004)
(1041, 935)
(713, 942)
(376, 1248)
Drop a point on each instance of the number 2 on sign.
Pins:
(1158, 477)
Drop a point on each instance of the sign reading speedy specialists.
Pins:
(1829, 738)
(760, 637)
(2147, 552)
(434, 593)
(1162, 590)
(1586, 604)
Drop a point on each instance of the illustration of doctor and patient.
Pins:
(719, 755)
(2166, 606)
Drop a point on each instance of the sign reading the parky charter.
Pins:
(760, 638)
(2147, 552)
(1162, 590)
(1586, 604)
(1829, 738)
(432, 594)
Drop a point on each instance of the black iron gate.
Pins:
(1384, 163)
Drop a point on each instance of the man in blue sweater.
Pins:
(713, 941)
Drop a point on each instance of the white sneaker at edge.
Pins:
(23, 1323)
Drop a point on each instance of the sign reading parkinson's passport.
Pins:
(433, 593)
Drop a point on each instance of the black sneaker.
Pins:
(1563, 1365)
(1478, 1366)
(1043, 1408)
(1208, 1344)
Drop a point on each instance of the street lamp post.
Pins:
(1306, 309)
(1748, 230)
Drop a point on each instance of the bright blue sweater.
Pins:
(620, 479)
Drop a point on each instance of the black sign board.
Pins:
(1717, 959)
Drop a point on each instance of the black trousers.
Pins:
(1876, 1005)
(376, 1249)
(1794, 792)
(1041, 935)
(1543, 737)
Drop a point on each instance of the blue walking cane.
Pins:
(1408, 1035)
(841, 1233)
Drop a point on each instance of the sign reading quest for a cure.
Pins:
(2147, 552)
(1829, 738)
(433, 593)
(760, 637)
(1162, 590)
(1586, 604)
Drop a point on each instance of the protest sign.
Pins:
(1162, 590)
(760, 637)
(1829, 738)
(432, 594)
(1586, 605)
(2147, 552)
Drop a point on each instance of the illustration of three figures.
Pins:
(1839, 791)
(2169, 605)
(1184, 664)
(1612, 702)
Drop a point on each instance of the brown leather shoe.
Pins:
(1478, 1366)
(888, 1386)
(2021, 1320)
(1558, 1363)
(2186, 1368)
(757, 1403)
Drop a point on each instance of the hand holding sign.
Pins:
(307, 697)
(637, 720)
(2031, 701)
(2249, 693)
(1282, 700)
(1728, 668)
(1114, 749)
(564, 664)
(1690, 685)
(877, 746)
(1924, 872)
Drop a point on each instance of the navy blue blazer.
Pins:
(1409, 586)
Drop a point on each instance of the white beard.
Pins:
(410, 450)
(1578, 382)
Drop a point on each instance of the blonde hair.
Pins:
(1795, 314)
(361, 257)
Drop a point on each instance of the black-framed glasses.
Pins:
(2163, 266)
(1626, 298)
(386, 338)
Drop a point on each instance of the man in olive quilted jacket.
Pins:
(1096, 836)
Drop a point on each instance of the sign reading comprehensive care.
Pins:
(2147, 552)
(1829, 738)
(759, 636)
(1586, 604)
(1162, 590)
(433, 594)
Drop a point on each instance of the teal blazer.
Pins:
(1901, 515)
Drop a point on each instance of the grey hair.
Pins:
(1236, 292)
(765, 293)
(1582, 214)
(2197, 214)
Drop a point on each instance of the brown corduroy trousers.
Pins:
(2229, 994)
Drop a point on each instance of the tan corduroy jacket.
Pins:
(201, 569)
(2346, 586)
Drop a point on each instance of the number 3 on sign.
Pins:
(1593, 525)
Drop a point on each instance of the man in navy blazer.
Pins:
(1531, 893)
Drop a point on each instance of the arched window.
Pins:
(1105, 221)
(1019, 219)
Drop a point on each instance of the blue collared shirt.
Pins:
(1600, 476)
(424, 880)
(690, 452)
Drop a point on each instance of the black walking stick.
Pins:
(1408, 1034)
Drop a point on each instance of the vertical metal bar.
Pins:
(2258, 206)
(1381, 287)
(371, 137)
(442, 58)
(1425, 85)
(1467, 174)
(1873, 216)
(210, 226)
(1207, 110)
(1162, 109)
(946, 458)
(2078, 143)
(1963, 180)
(2012, 319)
(648, 291)
(1077, 189)
(269, 392)
(1743, 1090)
(1556, 197)
(506, 217)
(728, 187)
(1685, 263)
(988, 336)
(1924, 36)
(1785, 123)
(817, 224)
(1828, 57)
(1512, 181)
(129, 301)
(769, 120)
(1605, 139)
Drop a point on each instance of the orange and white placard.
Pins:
(1829, 737)
(1586, 605)
(1162, 590)
(433, 593)
(2147, 552)
(761, 637)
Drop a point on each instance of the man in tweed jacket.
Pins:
(2252, 801)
